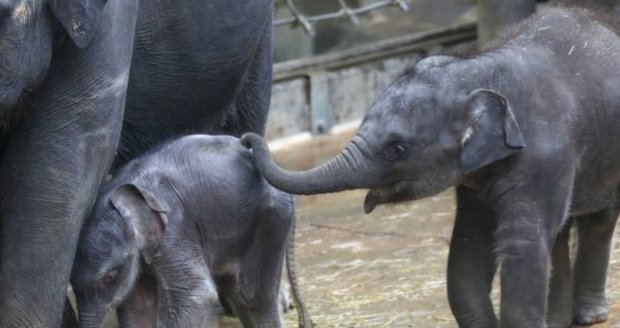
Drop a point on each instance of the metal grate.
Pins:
(307, 22)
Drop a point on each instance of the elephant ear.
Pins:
(494, 132)
(79, 18)
(145, 214)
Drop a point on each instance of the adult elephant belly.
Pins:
(198, 67)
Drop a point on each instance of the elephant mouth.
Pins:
(370, 202)
(399, 192)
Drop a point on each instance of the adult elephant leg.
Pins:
(595, 233)
(561, 286)
(51, 169)
(471, 263)
(251, 104)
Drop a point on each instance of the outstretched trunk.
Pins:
(348, 170)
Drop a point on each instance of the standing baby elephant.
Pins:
(529, 132)
(177, 226)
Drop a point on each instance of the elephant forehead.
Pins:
(103, 239)
(410, 97)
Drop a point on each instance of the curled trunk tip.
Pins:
(250, 139)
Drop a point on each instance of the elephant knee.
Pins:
(519, 246)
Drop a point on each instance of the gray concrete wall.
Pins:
(325, 91)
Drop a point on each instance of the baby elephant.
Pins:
(178, 226)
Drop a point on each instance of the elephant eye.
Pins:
(397, 151)
(109, 277)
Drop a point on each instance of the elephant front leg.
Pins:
(594, 248)
(471, 264)
(186, 290)
(527, 225)
(56, 157)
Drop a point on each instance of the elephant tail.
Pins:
(303, 317)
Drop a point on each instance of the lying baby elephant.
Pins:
(178, 226)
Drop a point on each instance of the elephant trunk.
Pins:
(90, 318)
(346, 171)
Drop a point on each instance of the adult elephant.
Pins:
(529, 132)
(67, 69)
(199, 66)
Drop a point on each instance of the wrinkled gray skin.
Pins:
(177, 226)
(529, 132)
(72, 74)
(63, 74)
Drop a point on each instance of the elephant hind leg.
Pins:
(595, 233)
(255, 297)
(560, 299)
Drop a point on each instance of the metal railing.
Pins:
(307, 22)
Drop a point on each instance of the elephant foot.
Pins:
(559, 324)
(588, 314)
(482, 320)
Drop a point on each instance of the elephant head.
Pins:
(432, 126)
(125, 228)
(27, 31)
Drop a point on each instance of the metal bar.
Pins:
(307, 22)
(299, 18)
(349, 12)
(320, 109)
(375, 51)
